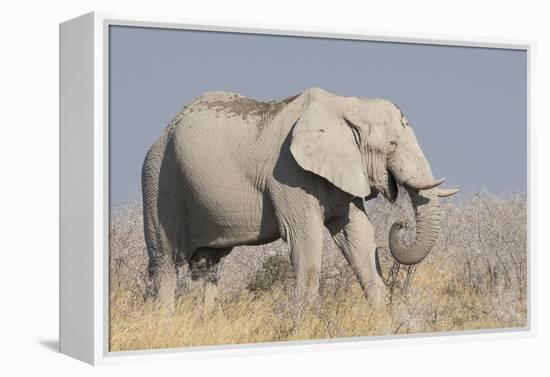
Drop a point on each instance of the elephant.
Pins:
(229, 171)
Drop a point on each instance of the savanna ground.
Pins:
(475, 278)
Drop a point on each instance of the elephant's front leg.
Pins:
(354, 235)
(306, 247)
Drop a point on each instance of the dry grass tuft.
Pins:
(475, 278)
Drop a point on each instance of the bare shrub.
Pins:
(475, 278)
(275, 271)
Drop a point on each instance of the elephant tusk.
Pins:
(444, 193)
(418, 184)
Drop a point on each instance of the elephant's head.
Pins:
(366, 146)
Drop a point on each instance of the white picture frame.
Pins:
(84, 189)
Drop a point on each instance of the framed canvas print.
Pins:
(226, 187)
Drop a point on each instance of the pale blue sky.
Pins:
(468, 106)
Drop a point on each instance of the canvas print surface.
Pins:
(274, 188)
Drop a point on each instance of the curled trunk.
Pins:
(427, 216)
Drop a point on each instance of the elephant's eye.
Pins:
(393, 146)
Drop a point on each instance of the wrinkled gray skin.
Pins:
(231, 171)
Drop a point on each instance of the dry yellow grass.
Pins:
(476, 278)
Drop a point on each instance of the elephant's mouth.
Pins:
(390, 189)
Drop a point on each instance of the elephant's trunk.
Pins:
(427, 215)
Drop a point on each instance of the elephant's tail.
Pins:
(159, 239)
(150, 174)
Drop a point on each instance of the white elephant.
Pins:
(231, 171)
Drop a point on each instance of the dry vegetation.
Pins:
(475, 278)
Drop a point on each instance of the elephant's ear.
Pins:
(323, 143)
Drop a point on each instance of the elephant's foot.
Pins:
(376, 294)
(162, 305)
(303, 301)
(210, 299)
(165, 298)
(162, 285)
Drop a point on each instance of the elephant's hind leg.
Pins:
(161, 247)
(204, 265)
(162, 220)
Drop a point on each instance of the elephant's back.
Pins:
(234, 104)
(208, 129)
(223, 109)
(222, 125)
